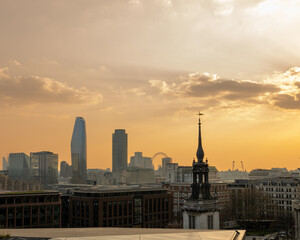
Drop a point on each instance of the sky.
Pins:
(149, 67)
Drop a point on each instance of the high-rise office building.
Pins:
(19, 166)
(44, 167)
(78, 151)
(119, 150)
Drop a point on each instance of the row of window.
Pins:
(156, 205)
(27, 199)
(32, 216)
(277, 189)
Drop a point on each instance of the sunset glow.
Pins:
(149, 67)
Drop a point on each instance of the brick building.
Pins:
(30, 209)
(125, 207)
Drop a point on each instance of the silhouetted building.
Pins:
(44, 167)
(164, 162)
(7, 183)
(30, 209)
(4, 164)
(230, 175)
(201, 211)
(122, 207)
(19, 166)
(119, 150)
(139, 175)
(171, 172)
(141, 162)
(78, 151)
(65, 170)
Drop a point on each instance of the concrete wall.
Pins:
(201, 220)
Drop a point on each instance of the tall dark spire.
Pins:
(200, 185)
(200, 152)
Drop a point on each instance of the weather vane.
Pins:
(199, 114)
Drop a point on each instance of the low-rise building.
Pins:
(282, 191)
(120, 207)
(139, 175)
(30, 209)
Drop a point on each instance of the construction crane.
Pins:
(242, 166)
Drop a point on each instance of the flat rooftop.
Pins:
(10, 193)
(126, 234)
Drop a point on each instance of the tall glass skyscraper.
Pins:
(119, 150)
(78, 151)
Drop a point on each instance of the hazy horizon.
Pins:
(149, 67)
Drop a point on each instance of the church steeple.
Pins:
(200, 152)
(200, 185)
(201, 210)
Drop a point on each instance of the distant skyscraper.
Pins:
(78, 151)
(65, 170)
(119, 150)
(19, 166)
(44, 167)
(4, 164)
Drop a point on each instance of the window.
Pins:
(191, 222)
(210, 221)
(109, 210)
(115, 210)
(104, 209)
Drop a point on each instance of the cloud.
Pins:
(281, 90)
(287, 102)
(16, 62)
(35, 89)
(3, 73)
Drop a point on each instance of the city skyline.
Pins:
(148, 67)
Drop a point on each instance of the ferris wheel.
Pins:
(156, 156)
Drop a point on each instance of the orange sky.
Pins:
(149, 67)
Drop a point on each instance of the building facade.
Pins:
(119, 150)
(4, 164)
(7, 183)
(30, 209)
(128, 207)
(19, 166)
(65, 170)
(282, 191)
(139, 161)
(44, 167)
(78, 151)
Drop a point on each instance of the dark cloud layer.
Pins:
(42, 90)
(282, 90)
(287, 102)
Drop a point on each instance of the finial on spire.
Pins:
(199, 114)
(200, 152)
